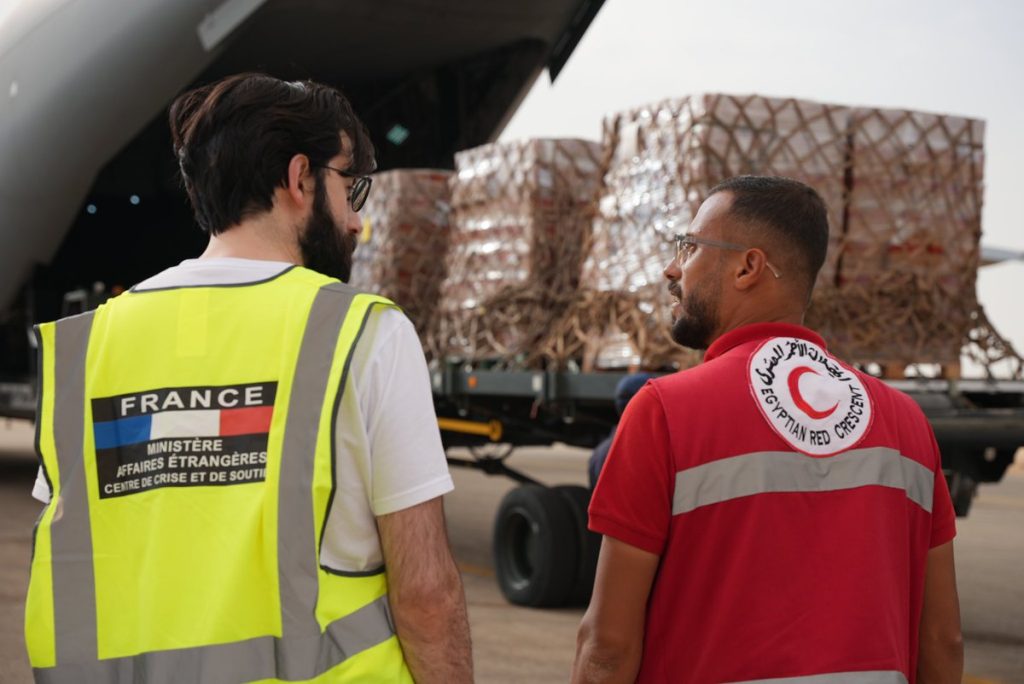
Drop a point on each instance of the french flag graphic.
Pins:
(187, 423)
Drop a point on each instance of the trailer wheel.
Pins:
(589, 544)
(535, 547)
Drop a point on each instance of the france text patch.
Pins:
(815, 404)
(182, 437)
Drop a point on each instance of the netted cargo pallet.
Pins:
(660, 163)
(521, 219)
(406, 231)
(911, 231)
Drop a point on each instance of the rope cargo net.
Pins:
(405, 227)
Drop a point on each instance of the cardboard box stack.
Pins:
(521, 217)
(405, 237)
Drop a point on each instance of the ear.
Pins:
(299, 182)
(750, 270)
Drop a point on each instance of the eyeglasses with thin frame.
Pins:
(687, 244)
(360, 189)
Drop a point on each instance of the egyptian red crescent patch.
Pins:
(816, 405)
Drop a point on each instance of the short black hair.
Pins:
(235, 138)
(793, 211)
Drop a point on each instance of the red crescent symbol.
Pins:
(798, 399)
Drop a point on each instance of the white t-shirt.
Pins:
(395, 461)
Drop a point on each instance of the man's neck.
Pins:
(742, 318)
(252, 239)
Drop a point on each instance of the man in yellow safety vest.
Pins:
(240, 454)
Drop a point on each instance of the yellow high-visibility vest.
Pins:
(188, 438)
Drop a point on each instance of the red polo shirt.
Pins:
(775, 562)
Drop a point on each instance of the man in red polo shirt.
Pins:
(772, 514)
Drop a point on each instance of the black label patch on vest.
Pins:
(182, 437)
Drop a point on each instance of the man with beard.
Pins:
(772, 514)
(240, 454)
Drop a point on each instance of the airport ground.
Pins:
(513, 644)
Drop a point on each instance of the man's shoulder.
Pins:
(897, 415)
(888, 396)
(686, 391)
(337, 288)
(387, 336)
(727, 369)
(386, 315)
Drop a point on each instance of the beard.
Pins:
(698, 321)
(326, 247)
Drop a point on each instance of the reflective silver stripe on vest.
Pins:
(74, 585)
(785, 471)
(875, 677)
(296, 553)
(242, 661)
(302, 652)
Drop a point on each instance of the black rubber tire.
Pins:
(589, 544)
(535, 547)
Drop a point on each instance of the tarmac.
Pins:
(514, 644)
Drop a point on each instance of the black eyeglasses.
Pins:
(686, 245)
(360, 187)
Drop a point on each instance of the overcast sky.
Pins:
(945, 56)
